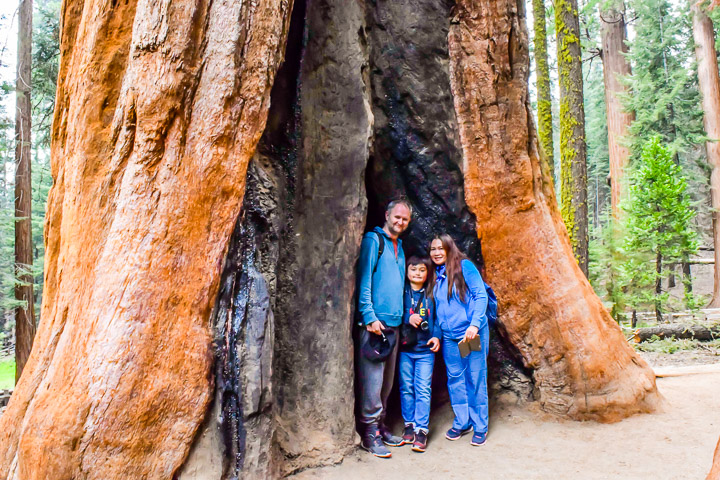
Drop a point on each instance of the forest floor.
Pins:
(523, 442)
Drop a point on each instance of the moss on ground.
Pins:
(7, 373)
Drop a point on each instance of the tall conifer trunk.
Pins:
(544, 101)
(710, 90)
(615, 66)
(573, 149)
(25, 313)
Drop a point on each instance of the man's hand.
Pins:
(434, 344)
(415, 320)
(376, 327)
(471, 332)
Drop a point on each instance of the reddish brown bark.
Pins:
(615, 67)
(24, 314)
(709, 83)
(159, 108)
(583, 367)
(715, 470)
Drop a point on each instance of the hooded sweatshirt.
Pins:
(454, 316)
(380, 295)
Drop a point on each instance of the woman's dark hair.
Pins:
(453, 267)
(416, 260)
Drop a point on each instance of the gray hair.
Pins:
(399, 201)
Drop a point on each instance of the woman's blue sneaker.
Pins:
(478, 439)
(455, 433)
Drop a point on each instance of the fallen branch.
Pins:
(696, 332)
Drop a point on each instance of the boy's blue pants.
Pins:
(467, 383)
(415, 378)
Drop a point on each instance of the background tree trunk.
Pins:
(615, 67)
(159, 109)
(573, 150)
(709, 83)
(581, 363)
(544, 107)
(25, 313)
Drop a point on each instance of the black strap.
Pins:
(381, 249)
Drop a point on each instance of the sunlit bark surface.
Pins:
(159, 108)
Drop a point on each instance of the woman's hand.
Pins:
(434, 344)
(415, 320)
(471, 332)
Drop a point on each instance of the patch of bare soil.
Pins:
(682, 357)
(523, 443)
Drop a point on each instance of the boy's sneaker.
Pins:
(409, 435)
(420, 443)
(455, 433)
(478, 439)
(373, 443)
(389, 439)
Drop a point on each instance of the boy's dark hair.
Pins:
(417, 260)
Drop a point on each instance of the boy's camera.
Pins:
(424, 325)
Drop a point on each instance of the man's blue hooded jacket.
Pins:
(380, 295)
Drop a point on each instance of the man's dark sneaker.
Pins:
(390, 439)
(478, 439)
(454, 433)
(408, 435)
(420, 443)
(373, 443)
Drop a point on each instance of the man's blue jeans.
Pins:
(415, 378)
(467, 383)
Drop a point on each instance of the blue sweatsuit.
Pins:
(467, 377)
(416, 362)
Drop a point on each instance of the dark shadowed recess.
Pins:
(283, 369)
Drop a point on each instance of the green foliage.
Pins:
(665, 95)
(659, 223)
(7, 373)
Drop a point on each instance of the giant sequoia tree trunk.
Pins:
(582, 365)
(159, 110)
(709, 82)
(615, 67)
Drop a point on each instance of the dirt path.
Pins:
(677, 443)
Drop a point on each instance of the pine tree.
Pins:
(665, 97)
(573, 150)
(24, 313)
(659, 218)
(544, 97)
(615, 68)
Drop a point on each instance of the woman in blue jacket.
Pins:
(461, 302)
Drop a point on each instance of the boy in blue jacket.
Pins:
(417, 354)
